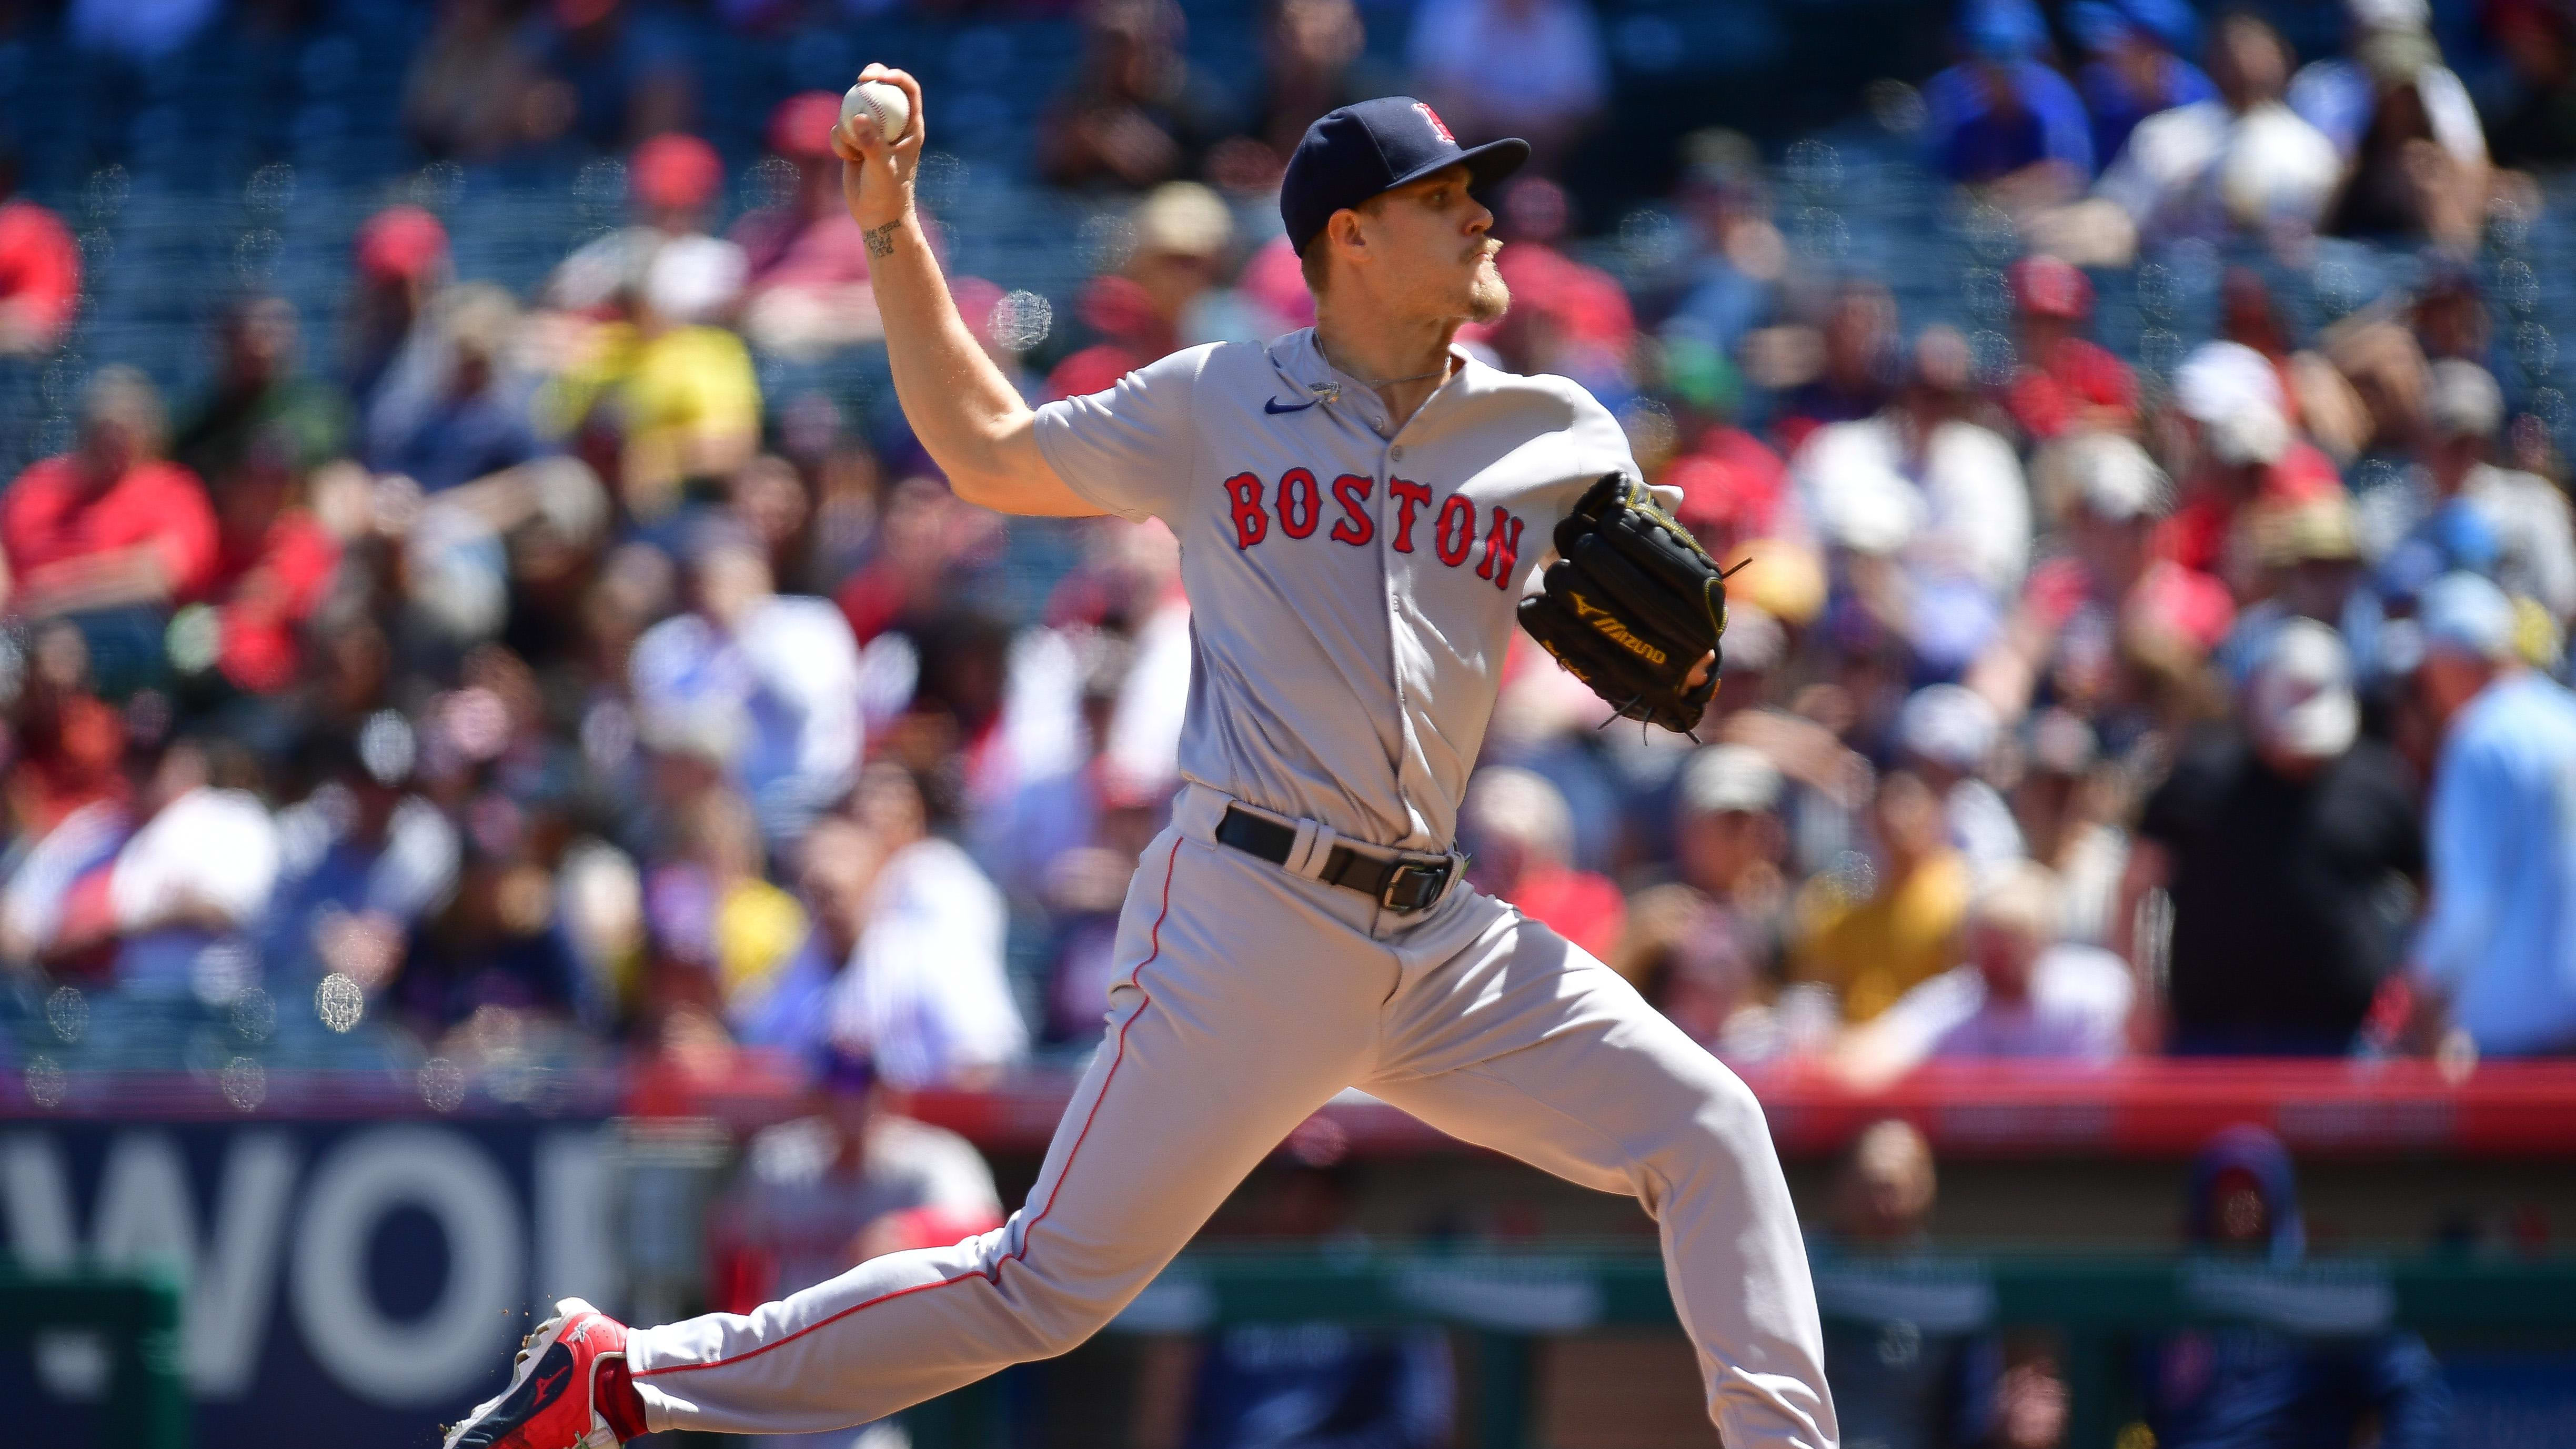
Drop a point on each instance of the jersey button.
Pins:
(1396, 453)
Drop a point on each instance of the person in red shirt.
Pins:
(2243, 451)
(273, 564)
(2064, 383)
(39, 272)
(1519, 833)
(108, 525)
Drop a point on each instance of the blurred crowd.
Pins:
(518, 671)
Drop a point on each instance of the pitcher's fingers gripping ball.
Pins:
(877, 103)
(1632, 606)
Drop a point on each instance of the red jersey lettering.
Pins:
(1456, 531)
(1300, 503)
(1406, 494)
(1251, 525)
(1354, 527)
(1502, 549)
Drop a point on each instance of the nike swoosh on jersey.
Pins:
(1271, 405)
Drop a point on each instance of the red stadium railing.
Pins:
(2145, 1108)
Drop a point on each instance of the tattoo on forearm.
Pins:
(880, 239)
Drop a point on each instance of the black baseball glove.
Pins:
(1631, 604)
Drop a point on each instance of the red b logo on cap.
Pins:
(1433, 117)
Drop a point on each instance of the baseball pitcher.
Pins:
(1359, 506)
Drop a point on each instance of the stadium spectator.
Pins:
(1712, 942)
(2001, 117)
(673, 184)
(710, 911)
(1134, 114)
(2279, 840)
(2242, 452)
(1946, 734)
(273, 562)
(2491, 959)
(775, 674)
(68, 745)
(2071, 806)
(2062, 382)
(363, 860)
(2207, 1388)
(40, 272)
(2137, 67)
(193, 879)
(619, 70)
(474, 92)
(1862, 361)
(1313, 59)
(1924, 484)
(1913, 1370)
(1740, 258)
(1528, 68)
(456, 410)
(2022, 994)
(109, 526)
(850, 1180)
(2242, 160)
(258, 390)
(401, 263)
(1873, 931)
(661, 402)
(2535, 122)
(1517, 830)
(2457, 510)
(2108, 496)
(2338, 94)
(2403, 123)
(805, 289)
(925, 994)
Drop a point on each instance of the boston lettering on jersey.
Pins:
(1298, 504)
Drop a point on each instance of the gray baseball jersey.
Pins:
(1353, 591)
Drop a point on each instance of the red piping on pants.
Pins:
(1117, 1055)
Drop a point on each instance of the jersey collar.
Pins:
(1302, 368)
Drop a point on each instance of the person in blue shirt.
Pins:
(2252, 1387)
(2137, 67)
(1999, 115)
(2495, 959)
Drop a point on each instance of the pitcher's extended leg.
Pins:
(1238, 1025)
(1558, 1062)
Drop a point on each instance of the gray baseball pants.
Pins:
(1248, 997)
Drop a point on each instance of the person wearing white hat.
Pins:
(2278, 841)
(2495, 959)
(1948, 733)
(1701, 946)
(2242, 160)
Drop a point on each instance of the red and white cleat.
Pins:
(553, 1399)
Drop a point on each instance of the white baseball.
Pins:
(881, 102)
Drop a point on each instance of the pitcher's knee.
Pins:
(1052, 1316)
(1715, 1119)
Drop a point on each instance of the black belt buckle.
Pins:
(1412, 887)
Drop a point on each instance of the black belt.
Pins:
(1404, 885)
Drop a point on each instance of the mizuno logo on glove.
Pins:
(1610, 627)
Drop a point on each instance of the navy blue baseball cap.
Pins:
(1369, 149)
